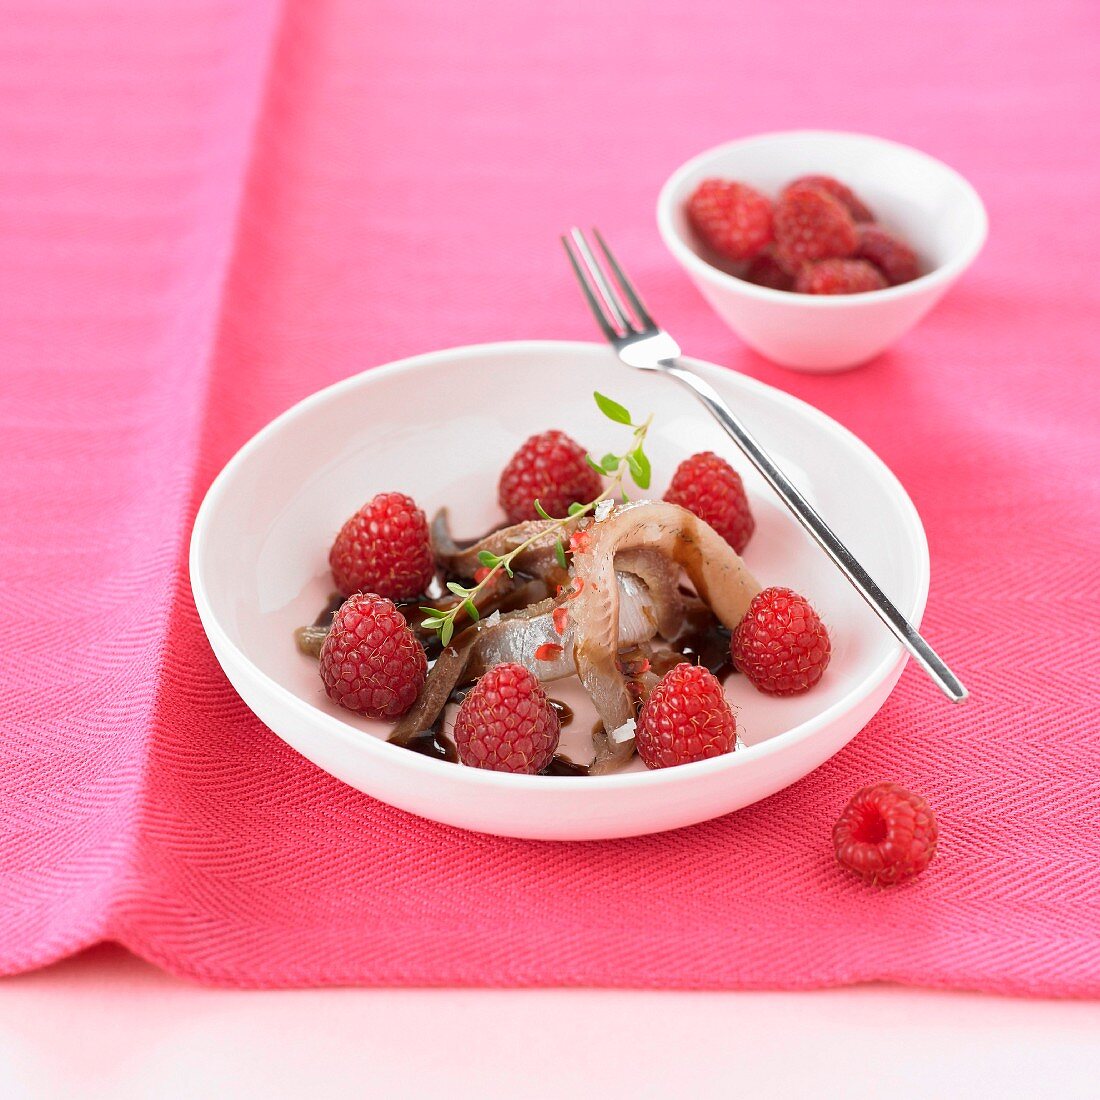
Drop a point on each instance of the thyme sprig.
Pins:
(633, 463)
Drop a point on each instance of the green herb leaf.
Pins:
(542, 511)
(447, 632)
(488, 559)
(626, 497)
(457, 589)
(559, 553)
(594, 464)
(575, 509)
(610, 463)
(640, 468)
(635, 467)
(507, 566)
(432, 612)
(471, 610)
(612, 409)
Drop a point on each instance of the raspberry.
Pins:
(839, 277)
(811, 225)
(765, 271)
(685, 718)
(384, 548)
(780, 645)
(710, 488)
(885, 834)
(506, 723)
(731, 219)
(371, 662)
(841, 192)
(892, 256)
(549, 467)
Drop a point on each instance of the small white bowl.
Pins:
(910, 193)
(440, 427)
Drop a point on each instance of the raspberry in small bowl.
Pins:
(820, 249)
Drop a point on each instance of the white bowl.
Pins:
(440, 427)
(911, 193)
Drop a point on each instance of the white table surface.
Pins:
(107, 1025)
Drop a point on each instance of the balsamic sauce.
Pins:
(709, 647)
(702, 640)
(335, 602)
(565, 712)
(435, 743)
(562, 765)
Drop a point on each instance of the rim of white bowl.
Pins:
(943, 274)
(368, 743)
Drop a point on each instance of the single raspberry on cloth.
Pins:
(506, 723)
(839, 277)
(371, 662)
(550, 468)
(781, 644)
(384, 548)
(886, 834)
(685, 718)
(710, 488)
(732, 219)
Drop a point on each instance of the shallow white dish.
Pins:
(440, 427)
(911, 193)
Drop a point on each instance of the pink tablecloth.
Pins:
(209, 208)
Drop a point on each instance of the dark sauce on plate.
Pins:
(562, 765)
(435, 743)
(335, 602)
(565, 712)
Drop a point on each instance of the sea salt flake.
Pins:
(603, 509)
(492, 620)
(625, 732)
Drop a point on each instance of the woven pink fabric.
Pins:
(210, 208)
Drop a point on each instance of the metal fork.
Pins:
(641, 343)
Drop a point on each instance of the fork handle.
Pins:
(820, 532)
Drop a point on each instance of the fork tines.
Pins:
(615, 316)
